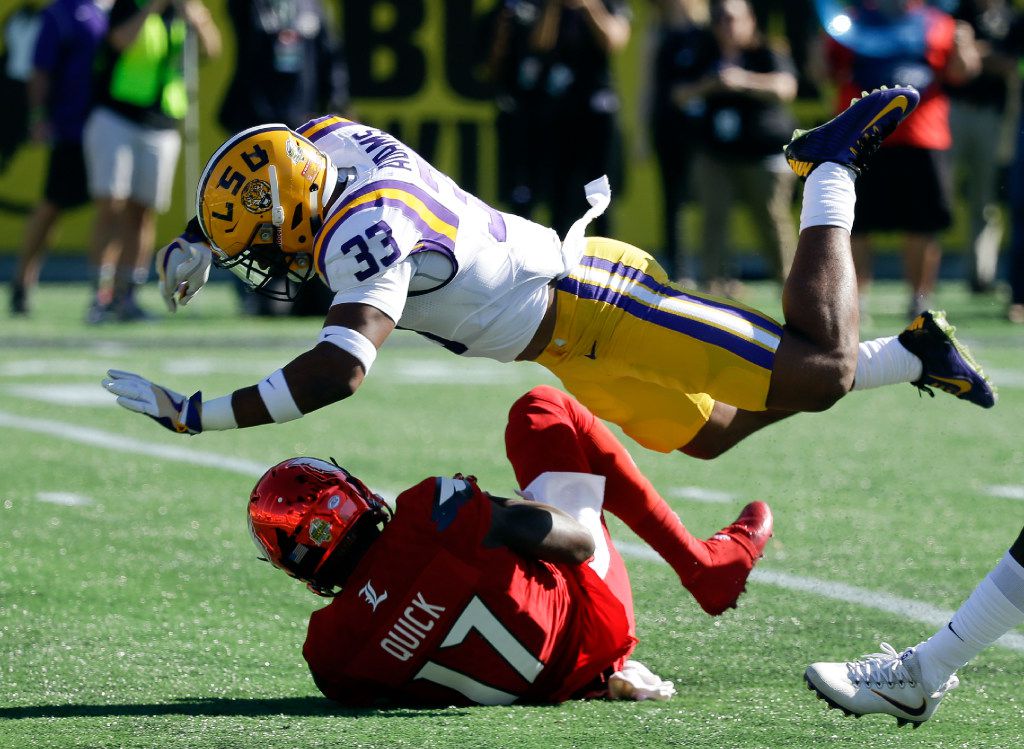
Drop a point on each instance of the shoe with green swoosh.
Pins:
(888, 683)
(851, 137)
(947, 364)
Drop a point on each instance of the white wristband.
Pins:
(278, 398)
(353, 342)
(218, 415)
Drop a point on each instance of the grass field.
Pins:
(133, 612)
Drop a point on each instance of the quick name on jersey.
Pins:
(408, 633)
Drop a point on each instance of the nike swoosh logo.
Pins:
(899, 102)
(915, 711)
(963, 386)
(593, 351)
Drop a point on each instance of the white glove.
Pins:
(182, 267)
(636, 682)
(166, 407)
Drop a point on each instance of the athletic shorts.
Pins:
(127, 160)
(65, 176)
(651, 356)
(905, 189)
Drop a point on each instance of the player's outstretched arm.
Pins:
(539, 531)
(330, 371)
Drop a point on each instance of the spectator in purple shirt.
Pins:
(59, 98)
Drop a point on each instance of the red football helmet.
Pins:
(315, 520)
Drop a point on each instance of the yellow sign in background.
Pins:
(415, 68)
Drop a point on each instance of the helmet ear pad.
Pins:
(346, 556)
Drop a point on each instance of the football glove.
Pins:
(166, 407)
(183, 267)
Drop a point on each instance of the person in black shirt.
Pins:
(1015, 192)
(680, 38)
(976, 117)
(289, 68)
(745, 87)
(579, 135)
(515, 69)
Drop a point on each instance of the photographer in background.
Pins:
(289, 68)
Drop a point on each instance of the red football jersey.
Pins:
(433, 616)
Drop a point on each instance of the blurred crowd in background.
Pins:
(106, 84)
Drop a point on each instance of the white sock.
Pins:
(995, 607)
(829, 197)
(884, 361)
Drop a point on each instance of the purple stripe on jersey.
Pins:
(426, 173)
(315, 138)
(303, 129)
(427, 246)
(637, 275)
(694, 328)
(432, 204)
(428, 234)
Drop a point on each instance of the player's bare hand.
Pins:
(732, 78)
(196, 14)
(182, 267)
(963, 33)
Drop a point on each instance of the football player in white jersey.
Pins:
(401, 244)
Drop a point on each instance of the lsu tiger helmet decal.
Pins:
(315, 521)
(259, 203)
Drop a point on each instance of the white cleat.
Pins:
(888, 682)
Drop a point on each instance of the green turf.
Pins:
(144, 619)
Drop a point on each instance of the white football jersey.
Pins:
(404, 238)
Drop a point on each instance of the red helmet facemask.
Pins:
(314, 520)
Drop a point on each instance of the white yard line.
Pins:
(907, 608)
(701, 494)
(78, 395)
(1011, 491)
(1006, 378)
(111, 441)
(67, 499)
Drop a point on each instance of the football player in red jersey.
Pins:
(463, 597)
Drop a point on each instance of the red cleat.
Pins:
(734, 551)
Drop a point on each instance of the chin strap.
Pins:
(314, 204)
(276, 210)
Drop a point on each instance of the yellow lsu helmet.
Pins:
(259, 204)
